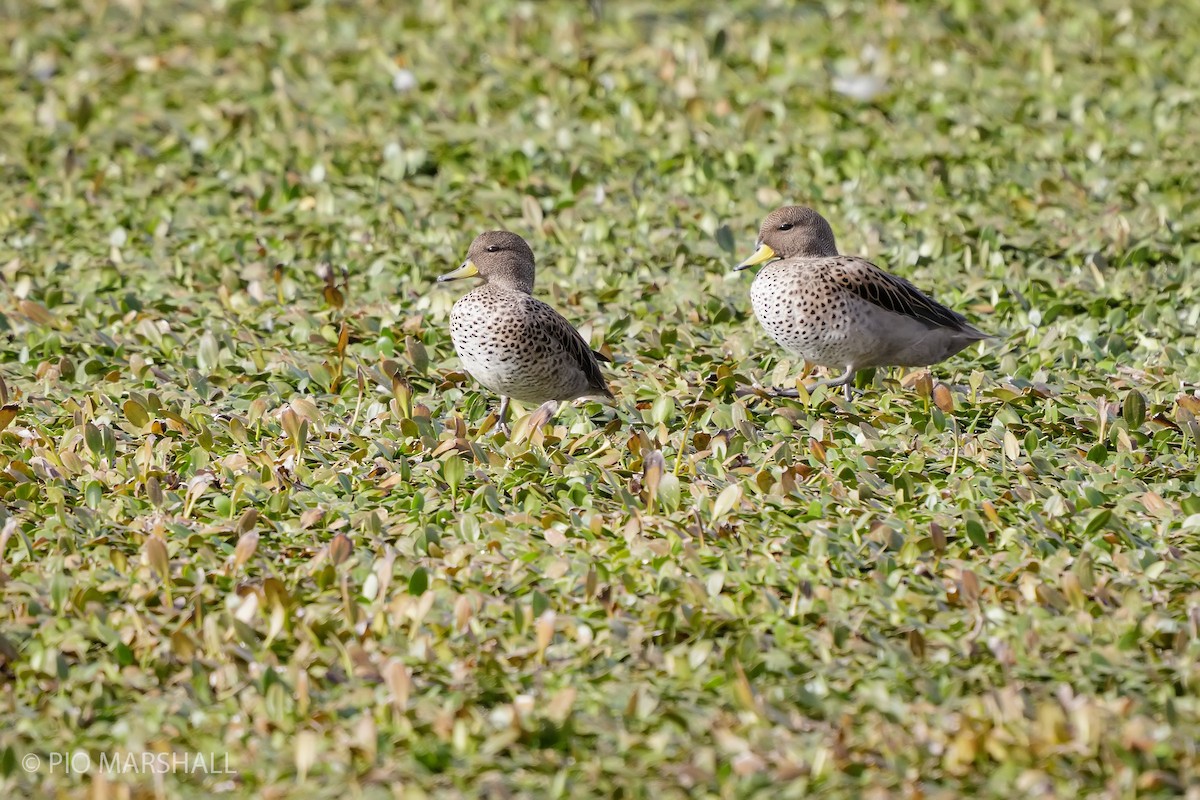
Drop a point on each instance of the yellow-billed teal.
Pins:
(843, 311)
(511, 342)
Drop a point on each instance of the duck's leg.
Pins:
(757, 390)
(845, 380)
(502, 415)
(807, 370)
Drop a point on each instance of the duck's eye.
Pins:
(787, 226)
(493, 248)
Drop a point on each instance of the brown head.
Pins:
(501, 258)
(792, 232)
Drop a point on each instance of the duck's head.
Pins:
(501, 258)
(792, 232)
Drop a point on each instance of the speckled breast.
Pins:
(803, 314)
(507, 356)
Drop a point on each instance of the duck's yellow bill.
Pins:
(467, 270)
(761, 255)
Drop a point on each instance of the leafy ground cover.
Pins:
(247, 509)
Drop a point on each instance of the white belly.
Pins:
(513, 361)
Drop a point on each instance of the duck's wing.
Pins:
(870, 283)
(580, 354)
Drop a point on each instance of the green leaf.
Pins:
(663, 410)
(207, 353)
(135, 413)
(93, 438)
(1097, 521)
(670, 491)
(725, 239)
(976, 534)
(1134, 409)
(453, 471)
(418, 582)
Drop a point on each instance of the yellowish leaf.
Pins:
(969, 587)
(306, 752)
(462, 612)
(7, 414)
(726, 501)
(1012, 448)
(398, 679)
(155, 550)
(36, 312)
(652, 472)
(943, 398)
(559, 707)
(246, 546)
(545, 630)
(340, 548)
